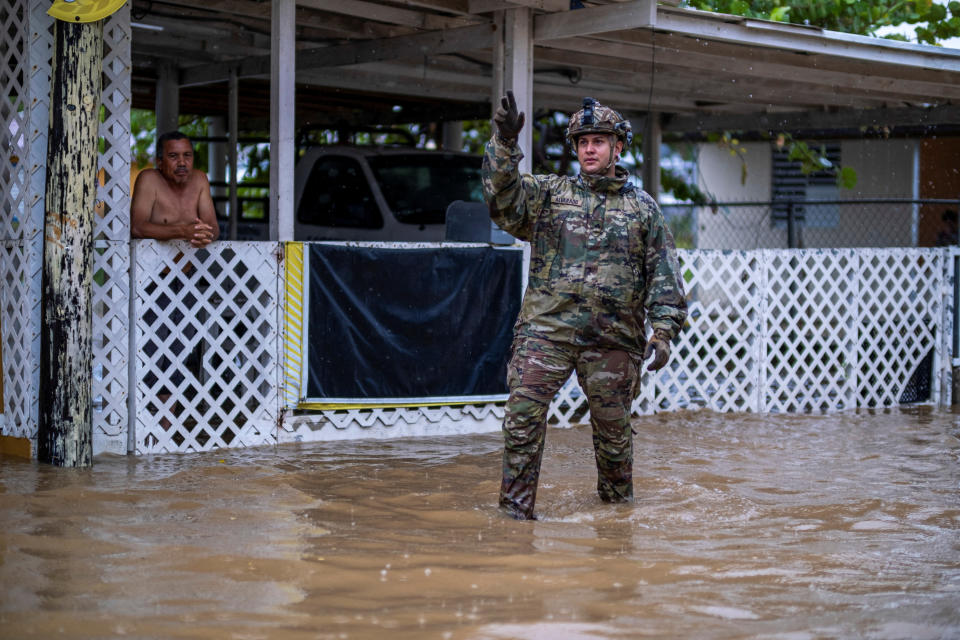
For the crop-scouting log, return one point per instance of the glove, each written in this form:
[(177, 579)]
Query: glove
[(659, 347), (508, 120)]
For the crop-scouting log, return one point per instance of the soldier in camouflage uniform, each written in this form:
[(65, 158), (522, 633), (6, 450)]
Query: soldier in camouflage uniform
[(602, 261)]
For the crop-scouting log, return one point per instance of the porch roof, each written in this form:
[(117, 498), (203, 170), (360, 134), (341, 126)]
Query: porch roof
[(381, 61)]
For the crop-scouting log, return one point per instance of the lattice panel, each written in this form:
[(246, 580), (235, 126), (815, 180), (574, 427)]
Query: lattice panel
[(39, 70), (25, 52), (111, 283), (391, 422), (111, 345), (716, 360), (206, 344), (902, 293), (14, 186), (810, 330), (797, 331), (113, 192), (20, 277), (14, 116), (570, 406)]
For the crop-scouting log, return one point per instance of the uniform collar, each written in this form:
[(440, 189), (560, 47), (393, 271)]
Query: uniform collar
[(603, 184)]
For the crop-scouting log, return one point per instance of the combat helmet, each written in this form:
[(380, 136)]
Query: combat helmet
[(596, 118)]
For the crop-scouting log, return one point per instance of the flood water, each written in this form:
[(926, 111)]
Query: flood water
[(744, 526)]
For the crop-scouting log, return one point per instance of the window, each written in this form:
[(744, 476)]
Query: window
[(790, 184), (418, 187), (337, 195)]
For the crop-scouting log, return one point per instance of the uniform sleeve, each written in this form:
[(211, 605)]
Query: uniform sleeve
[(514, 199), (665, 302)]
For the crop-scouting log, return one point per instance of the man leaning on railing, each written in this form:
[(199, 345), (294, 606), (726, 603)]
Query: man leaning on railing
[(172, 202)]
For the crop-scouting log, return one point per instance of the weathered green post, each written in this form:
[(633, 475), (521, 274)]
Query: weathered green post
[(65, 430)]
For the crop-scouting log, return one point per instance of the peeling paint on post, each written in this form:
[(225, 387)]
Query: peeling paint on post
[(65, 433)]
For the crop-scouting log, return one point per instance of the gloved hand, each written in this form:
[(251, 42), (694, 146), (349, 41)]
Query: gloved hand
[(508, 120), (658, 346)]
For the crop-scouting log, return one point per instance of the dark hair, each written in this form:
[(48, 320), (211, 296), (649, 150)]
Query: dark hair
[(170, 135), (949, 215)]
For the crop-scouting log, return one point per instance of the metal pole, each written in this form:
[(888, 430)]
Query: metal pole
[(791, 226), (651, 155), (955, 342), (65, 430), (232, 116)]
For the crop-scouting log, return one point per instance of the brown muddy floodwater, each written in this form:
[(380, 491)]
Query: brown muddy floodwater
[(744, 526)]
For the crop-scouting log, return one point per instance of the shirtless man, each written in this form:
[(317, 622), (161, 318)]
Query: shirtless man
[(172, 202)]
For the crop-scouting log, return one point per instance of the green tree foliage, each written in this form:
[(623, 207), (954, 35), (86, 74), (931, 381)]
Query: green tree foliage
[(143, 134), (850, 16)]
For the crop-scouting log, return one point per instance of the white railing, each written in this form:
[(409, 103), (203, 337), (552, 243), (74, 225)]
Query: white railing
[(802, 330), (768, 331)]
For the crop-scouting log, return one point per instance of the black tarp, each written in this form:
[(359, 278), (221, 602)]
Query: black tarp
[(410, 323)]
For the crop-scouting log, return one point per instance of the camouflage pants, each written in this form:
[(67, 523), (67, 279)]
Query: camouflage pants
[(537, 370)]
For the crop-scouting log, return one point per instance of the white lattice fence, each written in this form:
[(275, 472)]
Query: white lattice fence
[(716, 359), (900, 321), (25, 52), (111, 282), (19, 274), (795, 331), (206, 345), (391, 422), (810, 330), (113, 192), (111, 344)]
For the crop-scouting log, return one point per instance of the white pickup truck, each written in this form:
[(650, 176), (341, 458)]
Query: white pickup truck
[(395, 194)]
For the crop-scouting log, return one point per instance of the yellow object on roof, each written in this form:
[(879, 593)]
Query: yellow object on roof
[(84, 10)]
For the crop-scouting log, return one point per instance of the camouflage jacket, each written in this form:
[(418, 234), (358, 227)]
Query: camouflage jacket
[(602, 259)]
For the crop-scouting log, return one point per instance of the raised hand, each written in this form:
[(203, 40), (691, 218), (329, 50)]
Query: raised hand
[(509, 121)]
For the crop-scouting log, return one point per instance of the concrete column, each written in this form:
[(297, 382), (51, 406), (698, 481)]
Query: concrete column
[(282, 117), (168, 99)]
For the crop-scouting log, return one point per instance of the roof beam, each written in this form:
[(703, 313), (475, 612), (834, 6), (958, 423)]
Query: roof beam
[(673, 52), (808, 40), (257, 14), (385, 13), (486, 6), (419, 44), (582, 22), (884, 121)]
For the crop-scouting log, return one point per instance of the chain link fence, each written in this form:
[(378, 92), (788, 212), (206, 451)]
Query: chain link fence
[(787, 224)]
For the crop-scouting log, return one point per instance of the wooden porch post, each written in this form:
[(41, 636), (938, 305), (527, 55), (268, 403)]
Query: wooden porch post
[(518, 73), (283, 31), (65, 430), (167, 103)]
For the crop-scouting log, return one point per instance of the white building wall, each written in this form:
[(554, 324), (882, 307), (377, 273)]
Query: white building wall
[(720, 175), (885, 169)]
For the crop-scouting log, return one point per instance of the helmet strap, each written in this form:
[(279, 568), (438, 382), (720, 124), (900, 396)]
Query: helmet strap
[(613, 152)]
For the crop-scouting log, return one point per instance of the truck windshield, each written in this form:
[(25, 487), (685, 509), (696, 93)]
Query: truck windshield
[(418, 187)]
